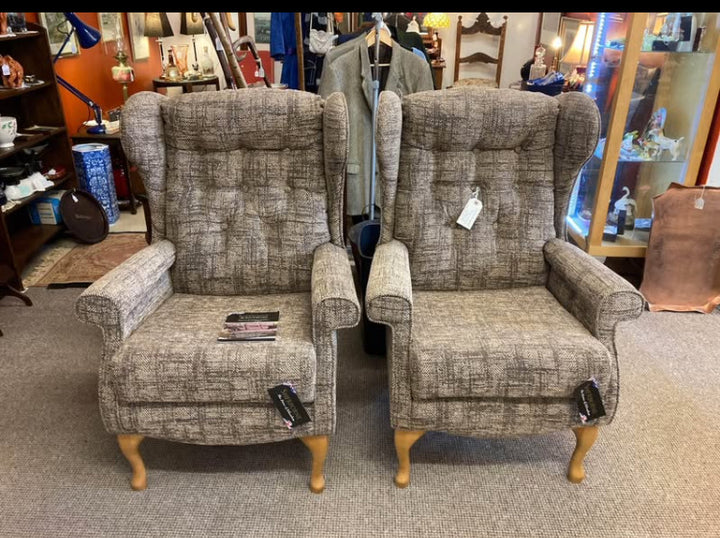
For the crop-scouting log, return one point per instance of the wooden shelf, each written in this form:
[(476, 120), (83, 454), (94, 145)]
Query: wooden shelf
[(27, 140), (7, 93), (19, 35), (40, 106), (27, 241), (34, 196)]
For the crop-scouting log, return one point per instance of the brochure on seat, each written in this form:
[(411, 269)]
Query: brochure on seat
[(250, 326)]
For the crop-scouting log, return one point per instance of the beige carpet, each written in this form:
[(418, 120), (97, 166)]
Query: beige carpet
[(652, 473), (87, 263)]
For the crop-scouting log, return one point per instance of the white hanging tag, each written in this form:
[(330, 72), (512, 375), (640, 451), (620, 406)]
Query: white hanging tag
[(6, 70), (471, 211), (700, 202)]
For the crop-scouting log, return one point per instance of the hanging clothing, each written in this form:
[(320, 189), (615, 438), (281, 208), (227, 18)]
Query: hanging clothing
[(348, 70), (283, 47), (313, 63)]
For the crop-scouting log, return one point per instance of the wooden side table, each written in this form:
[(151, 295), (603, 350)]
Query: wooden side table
[(187, 85), (115, 142), (438, 66)]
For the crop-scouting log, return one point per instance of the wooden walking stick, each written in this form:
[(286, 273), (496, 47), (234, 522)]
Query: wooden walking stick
[(214, 37), (227, 46)]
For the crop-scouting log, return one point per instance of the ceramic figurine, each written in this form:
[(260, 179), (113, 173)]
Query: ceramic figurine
[(668, 144), (628, 205), (538, 69)]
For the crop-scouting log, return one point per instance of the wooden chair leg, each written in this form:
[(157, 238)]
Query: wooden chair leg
[(129, 444), (585, 437), (318, 446), (404, 440)]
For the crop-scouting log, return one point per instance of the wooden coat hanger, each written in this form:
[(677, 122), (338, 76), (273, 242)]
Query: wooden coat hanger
[(385, 36), (385, 39)]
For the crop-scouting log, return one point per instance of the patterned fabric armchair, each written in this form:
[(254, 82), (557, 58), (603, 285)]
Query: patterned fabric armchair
[(246, 190), (492, 328)]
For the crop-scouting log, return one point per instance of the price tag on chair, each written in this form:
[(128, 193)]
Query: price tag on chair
[(471, 211), (288, 404)]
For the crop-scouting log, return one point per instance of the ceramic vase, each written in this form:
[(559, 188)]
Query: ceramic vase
[(8, 131)]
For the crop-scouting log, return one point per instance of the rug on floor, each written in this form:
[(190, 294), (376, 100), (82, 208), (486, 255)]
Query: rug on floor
[(87, 263)]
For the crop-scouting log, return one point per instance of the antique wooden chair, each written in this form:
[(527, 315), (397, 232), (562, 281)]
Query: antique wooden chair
[(490, 38)]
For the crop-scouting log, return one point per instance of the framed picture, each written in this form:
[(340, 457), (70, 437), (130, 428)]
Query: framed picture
[(58, 29), (110, 26), (261, 22), (140, 43)]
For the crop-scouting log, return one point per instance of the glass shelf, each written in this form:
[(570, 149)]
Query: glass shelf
[(652, 104)]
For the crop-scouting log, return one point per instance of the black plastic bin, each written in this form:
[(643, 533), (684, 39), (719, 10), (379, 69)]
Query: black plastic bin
[(364, 237)]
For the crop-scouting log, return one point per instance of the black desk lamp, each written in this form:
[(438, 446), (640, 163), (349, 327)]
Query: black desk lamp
[(88, 37)]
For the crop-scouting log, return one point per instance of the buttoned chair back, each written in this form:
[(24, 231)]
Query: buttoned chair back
[(508, 146), (240, 183)]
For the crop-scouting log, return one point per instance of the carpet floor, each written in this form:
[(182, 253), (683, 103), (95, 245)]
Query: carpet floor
[(653, 472), (87, 263)]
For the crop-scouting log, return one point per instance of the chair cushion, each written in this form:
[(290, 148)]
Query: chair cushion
[(174, 356), (510, 343)]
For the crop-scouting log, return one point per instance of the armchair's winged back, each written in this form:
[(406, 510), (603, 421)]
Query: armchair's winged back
[(245, 183), (516, 147)]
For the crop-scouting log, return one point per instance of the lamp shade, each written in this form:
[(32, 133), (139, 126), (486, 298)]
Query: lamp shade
[(437, 20), (87, 35), (157, 25), (188, 26), (579, 52)]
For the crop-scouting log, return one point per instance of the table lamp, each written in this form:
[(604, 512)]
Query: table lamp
[(123, 73), (87, 37), (578, 55), (157, 25), (436, 20), (192, 24)]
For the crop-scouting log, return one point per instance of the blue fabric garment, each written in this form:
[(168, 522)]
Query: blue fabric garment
[(419, 53), (283, 47)]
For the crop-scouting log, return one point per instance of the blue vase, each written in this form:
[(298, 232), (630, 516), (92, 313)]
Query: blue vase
[(95, 175)]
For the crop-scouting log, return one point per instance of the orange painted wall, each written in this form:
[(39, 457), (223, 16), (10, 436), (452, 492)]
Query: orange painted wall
[(90, 72)]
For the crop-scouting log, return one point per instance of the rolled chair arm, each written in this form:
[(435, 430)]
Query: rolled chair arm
[(335, 303), (388, 298), (593, 293), (120, 300)]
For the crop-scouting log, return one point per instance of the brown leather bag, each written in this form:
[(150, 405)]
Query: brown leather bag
[(682, 264)]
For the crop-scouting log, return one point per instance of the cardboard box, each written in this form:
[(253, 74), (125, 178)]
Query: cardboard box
[(46, 208)]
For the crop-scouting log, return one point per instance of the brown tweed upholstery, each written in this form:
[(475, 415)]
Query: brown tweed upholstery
[(245, 190), (494, 327)]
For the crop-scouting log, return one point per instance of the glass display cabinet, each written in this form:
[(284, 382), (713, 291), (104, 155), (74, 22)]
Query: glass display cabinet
[(655, 78)]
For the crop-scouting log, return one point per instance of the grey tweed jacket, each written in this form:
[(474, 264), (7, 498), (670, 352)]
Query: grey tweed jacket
[(348, 70)]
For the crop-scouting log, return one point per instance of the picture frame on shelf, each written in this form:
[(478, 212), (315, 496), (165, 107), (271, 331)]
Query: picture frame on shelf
[(140, 44), (58, 28)]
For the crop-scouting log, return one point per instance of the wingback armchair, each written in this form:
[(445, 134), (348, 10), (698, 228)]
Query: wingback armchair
[(492, 328), (245, 189)]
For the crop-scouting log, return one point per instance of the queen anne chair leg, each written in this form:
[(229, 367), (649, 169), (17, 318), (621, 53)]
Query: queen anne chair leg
[(404, 440), (129, 444), (318, 446), (585, 436)]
